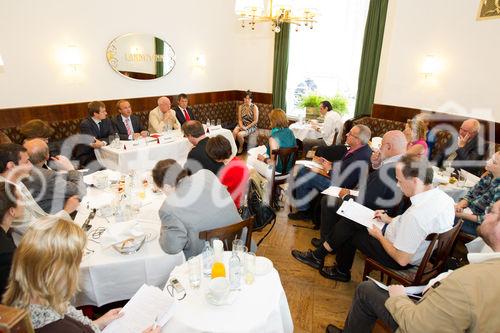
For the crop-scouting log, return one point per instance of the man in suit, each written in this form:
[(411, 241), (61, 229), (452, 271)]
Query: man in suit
[(465, 300), (345, 173), (182, 111), (379, 192), (198, 158), (50, 188), (96, 129), (127, 125), (162, 117), (471, 150)]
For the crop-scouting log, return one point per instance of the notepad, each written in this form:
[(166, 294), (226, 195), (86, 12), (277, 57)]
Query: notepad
[(140, 312), (334, 191), (359, 214), (413, 291), (309, 164)]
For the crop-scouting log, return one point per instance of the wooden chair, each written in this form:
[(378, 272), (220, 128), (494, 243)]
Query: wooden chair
[(286, 156), (229, 233), (431, 265), (14, 320)]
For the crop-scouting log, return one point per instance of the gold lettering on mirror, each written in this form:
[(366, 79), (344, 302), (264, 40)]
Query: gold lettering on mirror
[(141, 56)]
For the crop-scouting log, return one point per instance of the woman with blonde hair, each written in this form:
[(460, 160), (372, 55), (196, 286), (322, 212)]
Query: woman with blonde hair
[(44, 278), (415, 132)]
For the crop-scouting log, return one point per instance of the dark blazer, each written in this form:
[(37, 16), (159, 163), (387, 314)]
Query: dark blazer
[(180, 115), (7, 248), (85, 153), (332, 153), (58, 188), (198, 159), (468, 153), (348, 175), (122, 130)]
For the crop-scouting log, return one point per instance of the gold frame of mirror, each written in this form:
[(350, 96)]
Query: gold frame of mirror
[(140, 56)]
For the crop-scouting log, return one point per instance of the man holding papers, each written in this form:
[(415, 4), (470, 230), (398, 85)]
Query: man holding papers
[(379, 192), (465, 300)]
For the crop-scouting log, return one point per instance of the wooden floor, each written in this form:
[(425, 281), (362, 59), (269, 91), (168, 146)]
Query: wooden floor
[(314, 301)]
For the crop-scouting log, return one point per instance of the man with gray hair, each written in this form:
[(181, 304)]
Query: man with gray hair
[(345, 173)]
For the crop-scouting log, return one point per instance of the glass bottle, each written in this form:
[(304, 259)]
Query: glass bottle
[(234, 272), (208, 259)]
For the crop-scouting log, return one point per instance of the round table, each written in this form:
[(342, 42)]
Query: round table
[(259, 307), (305, 131)]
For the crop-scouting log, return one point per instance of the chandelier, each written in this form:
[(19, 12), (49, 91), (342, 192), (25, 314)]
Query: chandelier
[(297, 12)]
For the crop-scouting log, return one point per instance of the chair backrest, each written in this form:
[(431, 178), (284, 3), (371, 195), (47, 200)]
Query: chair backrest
[(439, 250), (228, 233), (287, 156)]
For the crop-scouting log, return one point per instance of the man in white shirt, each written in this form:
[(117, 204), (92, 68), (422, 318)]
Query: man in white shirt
[(162, 117), (331, 130), (15, 166), (127, 125), (401, 244)]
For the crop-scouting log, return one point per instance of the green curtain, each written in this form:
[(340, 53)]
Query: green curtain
[(370, 57), (159, 49), (280, 69)]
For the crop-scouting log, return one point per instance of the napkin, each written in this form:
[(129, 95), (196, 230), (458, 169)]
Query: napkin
[(118, 232), (98, 200)]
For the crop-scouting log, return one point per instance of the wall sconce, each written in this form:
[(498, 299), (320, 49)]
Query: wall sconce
[(200, 61), (71, 57), (2, 65), (430, 66)]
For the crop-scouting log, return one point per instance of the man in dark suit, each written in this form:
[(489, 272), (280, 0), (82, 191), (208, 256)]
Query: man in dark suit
[(50, 188), (182, 111), (471, 152), (345, 173), (198, 158), (127, 125), (96, 130), (379, 192)]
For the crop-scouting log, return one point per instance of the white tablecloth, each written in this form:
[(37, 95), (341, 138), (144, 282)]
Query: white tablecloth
[(107, 276), (304, 131), (259, 307), (141, 157)]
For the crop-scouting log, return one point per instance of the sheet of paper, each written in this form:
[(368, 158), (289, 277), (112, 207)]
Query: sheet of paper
[(335, 190), (359, 214), (140, 312), (471, 179), (309, 164), (413, 291), (257, 150)]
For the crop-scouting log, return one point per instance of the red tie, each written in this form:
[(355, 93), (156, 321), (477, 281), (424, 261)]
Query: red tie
[(186, 115), (127, 125)]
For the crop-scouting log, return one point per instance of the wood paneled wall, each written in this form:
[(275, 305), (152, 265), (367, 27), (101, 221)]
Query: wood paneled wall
[(17, 116), (399, 113)]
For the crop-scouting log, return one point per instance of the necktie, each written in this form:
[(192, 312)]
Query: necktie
[(186, 115), (100, 128), (128, 126)]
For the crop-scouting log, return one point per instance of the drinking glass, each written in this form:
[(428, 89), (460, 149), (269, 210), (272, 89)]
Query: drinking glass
[(219, 123), (208, 122), (237, 245), (462, 179), (194, 266), (249, 267)]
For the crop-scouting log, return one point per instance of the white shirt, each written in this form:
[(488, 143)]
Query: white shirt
[(333, 124), (431, 211)]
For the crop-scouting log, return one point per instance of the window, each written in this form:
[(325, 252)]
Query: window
[(326, 59)]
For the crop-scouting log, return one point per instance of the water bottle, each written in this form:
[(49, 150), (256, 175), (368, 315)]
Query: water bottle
[(234, 272), (208, 259)]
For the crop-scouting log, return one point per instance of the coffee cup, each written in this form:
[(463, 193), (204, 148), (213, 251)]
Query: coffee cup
[(219, 288)]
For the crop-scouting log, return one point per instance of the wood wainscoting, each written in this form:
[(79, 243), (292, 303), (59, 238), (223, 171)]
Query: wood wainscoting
[(400, 113), (12, 117)]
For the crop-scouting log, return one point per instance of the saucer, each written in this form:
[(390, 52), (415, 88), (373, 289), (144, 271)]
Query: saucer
[(228, 300)]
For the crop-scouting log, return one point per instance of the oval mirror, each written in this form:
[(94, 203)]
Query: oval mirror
[(141, 56)]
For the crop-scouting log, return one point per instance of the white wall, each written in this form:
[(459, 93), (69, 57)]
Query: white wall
[(33, 33), (469, 51)]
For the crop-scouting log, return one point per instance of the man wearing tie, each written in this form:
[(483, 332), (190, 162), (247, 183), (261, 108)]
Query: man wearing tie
[(97, 129), (162, 117), (127, 125), (182, 111)]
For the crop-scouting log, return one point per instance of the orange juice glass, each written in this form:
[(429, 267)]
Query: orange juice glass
[(218, 270)]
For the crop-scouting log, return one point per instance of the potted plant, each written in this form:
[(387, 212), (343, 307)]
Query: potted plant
[(312, 101)]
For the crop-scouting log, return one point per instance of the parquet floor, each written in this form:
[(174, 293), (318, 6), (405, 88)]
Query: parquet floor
[(314, 301)]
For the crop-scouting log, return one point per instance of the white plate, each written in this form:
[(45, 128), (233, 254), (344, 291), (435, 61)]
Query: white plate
[(228, 300), (262, 265)]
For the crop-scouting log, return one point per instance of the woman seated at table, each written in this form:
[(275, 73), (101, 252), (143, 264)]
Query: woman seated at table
[(481, 197), (194, 203), (248, 117), (281, 137), (415, 132), (44, 279), (234, 175)]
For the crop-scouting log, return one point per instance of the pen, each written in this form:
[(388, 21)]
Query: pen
[(155, 323)]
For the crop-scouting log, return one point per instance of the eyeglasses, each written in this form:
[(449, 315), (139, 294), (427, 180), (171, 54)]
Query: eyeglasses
[(354, 136)]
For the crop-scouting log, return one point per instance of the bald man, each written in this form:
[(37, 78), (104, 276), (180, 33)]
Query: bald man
[(162, 117), (470, 151), (379, 192), (51, 189)]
